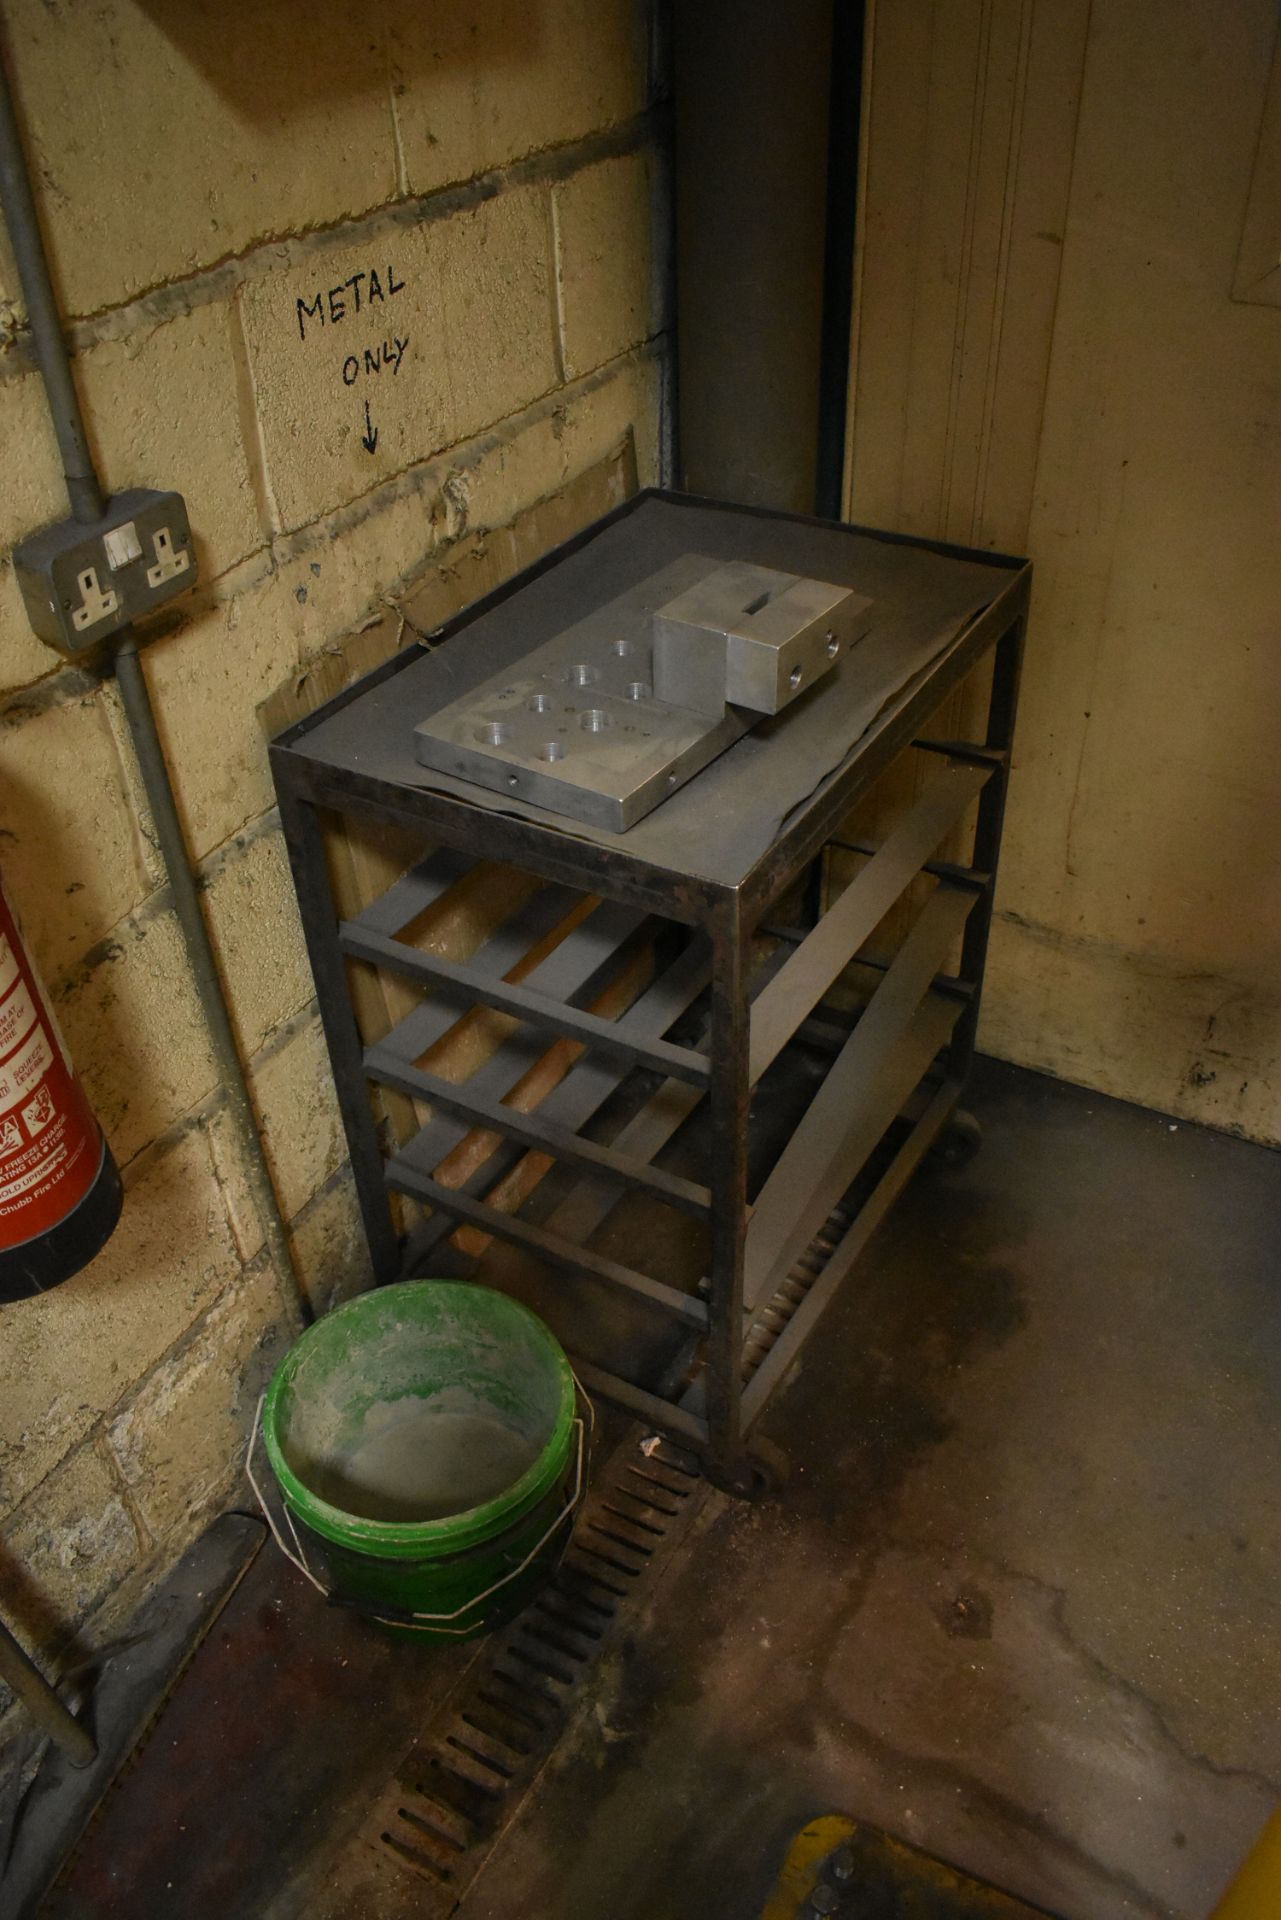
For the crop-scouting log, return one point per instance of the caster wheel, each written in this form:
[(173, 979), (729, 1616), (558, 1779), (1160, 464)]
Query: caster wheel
[(758, 1472), (958, 1143)]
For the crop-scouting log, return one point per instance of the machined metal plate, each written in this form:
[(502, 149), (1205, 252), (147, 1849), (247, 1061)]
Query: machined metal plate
[(578, 728), (750, 636)]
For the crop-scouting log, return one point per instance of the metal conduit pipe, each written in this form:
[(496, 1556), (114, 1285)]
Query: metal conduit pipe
[(43, 1704), (46, 327), (85, 494), (140, 714)]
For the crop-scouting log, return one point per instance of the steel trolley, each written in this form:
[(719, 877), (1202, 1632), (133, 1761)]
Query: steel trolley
[(746, 1020)]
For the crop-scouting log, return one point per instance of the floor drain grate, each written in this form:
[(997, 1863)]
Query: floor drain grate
[(463, 1782)]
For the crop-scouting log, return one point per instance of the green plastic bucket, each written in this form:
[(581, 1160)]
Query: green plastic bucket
[(425, 1442)]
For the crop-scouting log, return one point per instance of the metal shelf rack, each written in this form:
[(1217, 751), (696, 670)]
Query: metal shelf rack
[(743, 1043)]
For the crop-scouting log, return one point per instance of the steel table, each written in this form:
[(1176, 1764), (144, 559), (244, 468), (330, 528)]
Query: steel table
[(654, 985)]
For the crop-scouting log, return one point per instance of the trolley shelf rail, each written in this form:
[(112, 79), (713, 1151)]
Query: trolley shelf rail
[(639, 995)]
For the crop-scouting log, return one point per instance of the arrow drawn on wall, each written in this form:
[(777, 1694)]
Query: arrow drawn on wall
[(369, 438)]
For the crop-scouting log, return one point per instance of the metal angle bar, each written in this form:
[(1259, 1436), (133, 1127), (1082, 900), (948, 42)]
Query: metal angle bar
[(992, 757), (584, 1210), (820, 1032), (854, 1097), (305, 845), (548, 1246), (943, 982), (960, 876), (415, 891), (451, 978), (649, 1407), (862, 1092), (810, 970), (584, 1089), (567, 970), (729, 1101), (504, 838), (570, 966), (896, 1079), (1002, 706), (533, 1129), (657, 1009), (870, 1215)]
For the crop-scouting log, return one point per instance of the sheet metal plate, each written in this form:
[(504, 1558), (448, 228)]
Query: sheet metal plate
[(715, 828)]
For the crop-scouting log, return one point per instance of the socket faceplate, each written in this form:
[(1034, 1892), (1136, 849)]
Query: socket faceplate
[(82, 581)]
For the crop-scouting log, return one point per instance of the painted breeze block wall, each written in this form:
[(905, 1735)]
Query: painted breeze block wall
[(378, 289)]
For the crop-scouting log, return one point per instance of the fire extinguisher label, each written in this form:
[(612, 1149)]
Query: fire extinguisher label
[(17, 1017), (50, 1148), (8, 964), (26, 1069), (46, 1165)]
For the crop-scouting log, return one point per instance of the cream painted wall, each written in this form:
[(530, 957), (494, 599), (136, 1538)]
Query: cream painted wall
[(1137, 946), (197, 180)]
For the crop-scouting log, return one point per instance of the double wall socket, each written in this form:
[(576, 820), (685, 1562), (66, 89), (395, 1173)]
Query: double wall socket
[(82, 581)]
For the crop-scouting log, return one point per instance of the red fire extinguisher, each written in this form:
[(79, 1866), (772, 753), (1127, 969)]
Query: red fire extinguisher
[(60, 1192)]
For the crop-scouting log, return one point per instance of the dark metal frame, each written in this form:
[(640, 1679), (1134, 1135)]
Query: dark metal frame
[(917, 1020)]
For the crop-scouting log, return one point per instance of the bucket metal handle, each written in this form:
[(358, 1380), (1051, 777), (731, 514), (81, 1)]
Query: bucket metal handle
[(424, 1622)]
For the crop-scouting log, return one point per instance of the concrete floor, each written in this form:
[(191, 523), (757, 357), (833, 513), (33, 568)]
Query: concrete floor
[(1021, 1602)]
